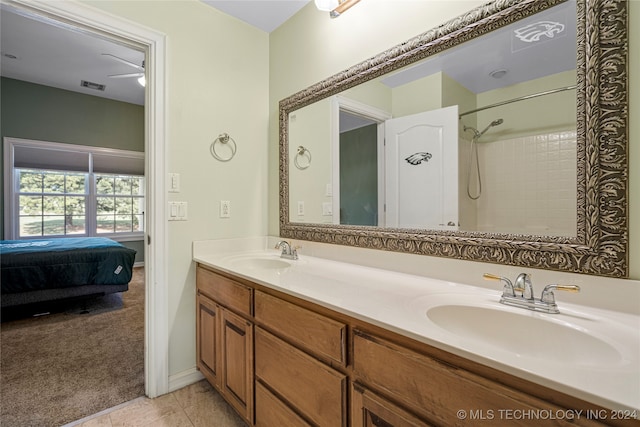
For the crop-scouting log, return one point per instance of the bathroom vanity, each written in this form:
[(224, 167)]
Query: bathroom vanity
[(322, 342), (313, 342)]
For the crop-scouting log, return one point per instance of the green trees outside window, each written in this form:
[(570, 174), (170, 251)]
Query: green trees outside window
[(120, 203), (55, 203)]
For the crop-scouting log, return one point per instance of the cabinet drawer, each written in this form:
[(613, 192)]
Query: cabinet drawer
[(429, 387), (224, 291), (270, 411), (370, 410), (320, 335), (314, 389)]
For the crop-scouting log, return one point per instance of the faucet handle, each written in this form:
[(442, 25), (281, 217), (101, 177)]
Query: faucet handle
[(507, 289), (489, 276), (548, 295)]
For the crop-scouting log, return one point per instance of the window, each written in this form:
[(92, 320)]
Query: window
[(71, 190), (51, 203), (120, 203)]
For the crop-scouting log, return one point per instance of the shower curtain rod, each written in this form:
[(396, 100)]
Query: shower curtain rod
[(521, 98)]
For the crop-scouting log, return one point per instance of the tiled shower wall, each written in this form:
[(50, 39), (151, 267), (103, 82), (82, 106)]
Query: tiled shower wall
[(528, 185)]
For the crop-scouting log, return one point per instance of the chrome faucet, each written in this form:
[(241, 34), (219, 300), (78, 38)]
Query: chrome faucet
[(523, 284), (287, 251), (520, 294)]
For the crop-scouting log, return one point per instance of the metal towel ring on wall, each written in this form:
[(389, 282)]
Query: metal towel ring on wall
[(302, 153), (223, 139)]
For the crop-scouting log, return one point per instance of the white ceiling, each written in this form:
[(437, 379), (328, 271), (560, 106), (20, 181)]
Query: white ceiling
[(474, 63), (264, 14), (58, 56), (50, 54)]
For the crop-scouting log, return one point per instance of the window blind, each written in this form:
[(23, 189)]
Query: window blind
[(126, 165), (29, 157)]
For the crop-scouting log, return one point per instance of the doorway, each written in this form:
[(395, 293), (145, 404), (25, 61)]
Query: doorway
[(357, 126), (85, 19)]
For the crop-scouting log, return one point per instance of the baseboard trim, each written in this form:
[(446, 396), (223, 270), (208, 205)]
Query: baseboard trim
[(138, 264), (184, 378)]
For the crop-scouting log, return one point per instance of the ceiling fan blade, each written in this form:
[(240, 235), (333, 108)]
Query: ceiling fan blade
[(124, 61), (121, 76)]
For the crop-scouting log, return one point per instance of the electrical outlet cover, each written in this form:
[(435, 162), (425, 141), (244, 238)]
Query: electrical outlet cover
[(327, 209), (225, 209)]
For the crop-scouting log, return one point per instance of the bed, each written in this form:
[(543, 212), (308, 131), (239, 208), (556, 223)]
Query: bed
[(35, 271)]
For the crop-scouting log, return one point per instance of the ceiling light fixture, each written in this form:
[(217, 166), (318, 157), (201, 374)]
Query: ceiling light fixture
[(326, 5), (335, 7), (498, 74)]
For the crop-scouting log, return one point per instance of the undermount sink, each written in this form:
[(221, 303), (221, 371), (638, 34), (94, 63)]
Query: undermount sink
[(532, 335), (261, 263)]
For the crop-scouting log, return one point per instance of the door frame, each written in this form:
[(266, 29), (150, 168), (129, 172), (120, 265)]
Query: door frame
[(84, 18), (341, 103)]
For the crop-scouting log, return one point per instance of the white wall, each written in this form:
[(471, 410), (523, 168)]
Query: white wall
[(311, 47), (217, 81), (310, 127)]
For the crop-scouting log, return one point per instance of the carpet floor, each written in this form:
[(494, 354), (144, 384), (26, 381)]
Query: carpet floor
[(83, 357)]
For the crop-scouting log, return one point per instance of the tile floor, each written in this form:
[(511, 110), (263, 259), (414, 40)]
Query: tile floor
[(197, 405)]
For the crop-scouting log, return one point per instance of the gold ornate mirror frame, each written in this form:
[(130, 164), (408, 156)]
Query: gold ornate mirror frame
[(600, 246)]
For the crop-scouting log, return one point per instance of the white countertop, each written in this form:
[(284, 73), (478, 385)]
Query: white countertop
[(608, 376)]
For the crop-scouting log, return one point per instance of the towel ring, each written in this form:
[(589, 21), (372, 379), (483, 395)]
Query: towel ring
[(223, 139), (302, 153)]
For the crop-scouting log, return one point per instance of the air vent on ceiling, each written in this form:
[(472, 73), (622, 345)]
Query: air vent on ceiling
[(94, 86)]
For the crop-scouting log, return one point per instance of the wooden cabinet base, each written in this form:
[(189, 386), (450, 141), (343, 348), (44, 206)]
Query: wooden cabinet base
[(316, 367)]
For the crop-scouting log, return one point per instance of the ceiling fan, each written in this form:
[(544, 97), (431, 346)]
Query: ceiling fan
[(139, 74)]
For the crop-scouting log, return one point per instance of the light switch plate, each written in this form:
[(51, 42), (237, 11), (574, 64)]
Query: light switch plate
[(177, 211), (174, 183)]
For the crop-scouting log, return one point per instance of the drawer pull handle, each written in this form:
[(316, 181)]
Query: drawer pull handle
[(235, 328), (376, 421)]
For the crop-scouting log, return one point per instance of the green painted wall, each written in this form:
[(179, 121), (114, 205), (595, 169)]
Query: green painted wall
[(359, 176), (44, 113), (32, 111)]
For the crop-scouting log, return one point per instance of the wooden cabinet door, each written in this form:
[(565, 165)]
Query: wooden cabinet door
[(371, 410), (236, 336), (207, 342)]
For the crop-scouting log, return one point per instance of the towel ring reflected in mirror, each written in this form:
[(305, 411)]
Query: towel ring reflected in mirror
[(600, 243), (225, 141), (305, 155)]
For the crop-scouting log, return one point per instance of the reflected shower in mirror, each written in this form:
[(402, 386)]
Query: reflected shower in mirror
[(544, 188), (519, 177)]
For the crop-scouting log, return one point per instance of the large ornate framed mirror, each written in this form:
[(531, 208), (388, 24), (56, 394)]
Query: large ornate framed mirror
[(521, 159)]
